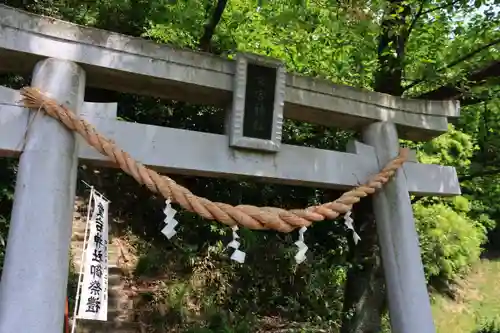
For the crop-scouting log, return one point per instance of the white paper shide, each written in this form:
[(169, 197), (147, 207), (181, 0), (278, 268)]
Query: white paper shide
[(93, 303), (302, 247), (349, 223), (238, 255), (170, 222)]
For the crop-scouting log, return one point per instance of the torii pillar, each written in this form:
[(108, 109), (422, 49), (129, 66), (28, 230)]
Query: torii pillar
[(409, 304), (40, 227)]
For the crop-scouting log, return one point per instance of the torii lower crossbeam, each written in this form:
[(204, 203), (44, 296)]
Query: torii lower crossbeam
[(180, 151)]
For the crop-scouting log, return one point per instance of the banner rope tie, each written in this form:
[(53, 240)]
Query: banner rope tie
[(252, 217)]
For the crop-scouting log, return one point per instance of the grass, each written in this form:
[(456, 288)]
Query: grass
[(477, 301)]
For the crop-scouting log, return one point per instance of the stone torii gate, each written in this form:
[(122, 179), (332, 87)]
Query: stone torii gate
[(65, 58)]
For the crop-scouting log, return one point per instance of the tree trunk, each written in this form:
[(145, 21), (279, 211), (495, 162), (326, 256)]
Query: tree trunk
[(391, 48), (364, 296)]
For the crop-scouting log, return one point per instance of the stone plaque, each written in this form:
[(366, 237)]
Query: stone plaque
[(256, 116), (259, 102)]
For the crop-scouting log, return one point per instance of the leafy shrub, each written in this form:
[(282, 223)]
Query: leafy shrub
[(489, 327), (450, 242)]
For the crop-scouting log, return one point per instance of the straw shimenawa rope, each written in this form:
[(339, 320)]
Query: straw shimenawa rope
[(244, 215)]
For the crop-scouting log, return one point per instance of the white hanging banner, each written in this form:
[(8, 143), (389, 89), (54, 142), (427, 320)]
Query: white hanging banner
[(94, 290)]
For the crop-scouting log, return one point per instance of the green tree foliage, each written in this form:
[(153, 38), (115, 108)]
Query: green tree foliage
[(432, 49)]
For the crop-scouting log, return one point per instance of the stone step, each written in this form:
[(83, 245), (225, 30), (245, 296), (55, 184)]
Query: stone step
[(113, 259), (118, 307), (78, 236), (115, 282), (78, 229), (112, 268), (107, 327), (77, 247), (113, 256), (77, 221), (116, 291)]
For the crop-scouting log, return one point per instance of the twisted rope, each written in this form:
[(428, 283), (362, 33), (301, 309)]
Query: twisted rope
[(251, 217)]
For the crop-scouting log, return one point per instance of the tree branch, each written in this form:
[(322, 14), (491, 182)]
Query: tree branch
[(471, 100), (490, 172), (453, 91), (449, 4), (391, 48), (421, 13), (456, 62), (415, 19), (473, 53), (209, 29)]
